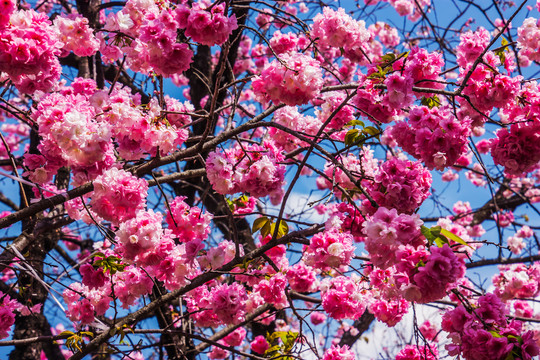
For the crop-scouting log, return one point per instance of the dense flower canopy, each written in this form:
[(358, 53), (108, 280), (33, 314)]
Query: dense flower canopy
[(249, 179)]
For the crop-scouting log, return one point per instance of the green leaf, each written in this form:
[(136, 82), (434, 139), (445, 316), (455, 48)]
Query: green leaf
[(388, 57), (67, 332), (427, 234), (230, 203), (283, 229), (111, 263), (404, 54), (440, 241), (373, 131), (266, 229), (75, 341), (288, 341), (454, 237), (355, 123), (431, 102), (272, 351), (259, 224), (501, 52), (350, 137)]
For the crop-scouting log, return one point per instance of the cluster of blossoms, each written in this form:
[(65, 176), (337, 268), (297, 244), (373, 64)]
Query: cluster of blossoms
[(441, 271), (399, 91), (146, 35), (75, 34), (71, 136), (6, 9), (329, 249), (95, 131), (144, 243), (387, 34), (464, 213), (515, 145), (471, 46), (400, 184), (517, 281), (395, 243), (272, 290), (84, 303), (528, 39), (14, 134), (485, 333), (434, 136), (282, 43), (229, 303), (419, 68), (424, 68), (339, 353), (291, 118), (413, 352), (465, 233), (118, 195), (391, 311), (336, 29), (254, 169), (516, 243), (92, 277), (487, 89), (7, 316), (259, 344), (221, 304), (186, 222), (207, 26), (376, 105), (174, 264), (142, 129), (386, 232), (139, 235), (31, 65), (346, 217), (336, 33), (78, 126), (343, 297), (332, 101), (131, 284), (294, 79), (302, 278), (219, 255), (517, 148), (92, 297), (199, 304), (233, 339), (504, 218)]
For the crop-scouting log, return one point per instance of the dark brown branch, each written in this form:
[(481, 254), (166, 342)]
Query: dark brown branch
[(503, 261), (361, 325)]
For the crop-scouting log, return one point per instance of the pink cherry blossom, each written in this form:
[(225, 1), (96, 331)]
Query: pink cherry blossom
[(294, 84)]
